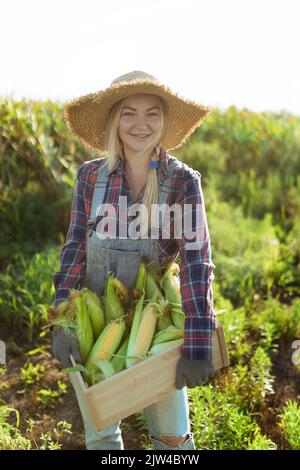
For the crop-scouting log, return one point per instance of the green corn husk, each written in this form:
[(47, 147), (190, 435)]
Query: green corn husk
[(163, 323), (134, 329), (178, 317), (84, 331), (105, 370), (100, 370), (165, 320), (95, 310), (115, 298), (152, 289), (141, 278), (170, 283), (119, 361), (169, 334), (75, 321), (154, 269), (162, 347)]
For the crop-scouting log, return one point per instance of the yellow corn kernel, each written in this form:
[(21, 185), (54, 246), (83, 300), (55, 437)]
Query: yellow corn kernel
[(107, 343), (145, 333)]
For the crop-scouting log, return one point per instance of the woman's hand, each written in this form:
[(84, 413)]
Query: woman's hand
[(196, 372), (64, 345)]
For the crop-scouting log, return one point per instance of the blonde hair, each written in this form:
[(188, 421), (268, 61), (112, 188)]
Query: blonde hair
[(115, 148)]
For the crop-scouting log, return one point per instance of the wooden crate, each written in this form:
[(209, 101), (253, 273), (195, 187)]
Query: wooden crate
[(141, 385)]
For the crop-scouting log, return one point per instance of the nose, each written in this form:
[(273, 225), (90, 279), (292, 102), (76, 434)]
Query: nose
[(141, 124)]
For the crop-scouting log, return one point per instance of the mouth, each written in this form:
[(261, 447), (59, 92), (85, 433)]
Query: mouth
[(140, 136)]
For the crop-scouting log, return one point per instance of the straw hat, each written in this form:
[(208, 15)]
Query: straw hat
[(86, 116)]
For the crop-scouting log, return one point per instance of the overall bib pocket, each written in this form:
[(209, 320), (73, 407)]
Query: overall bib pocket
[(123, 263)]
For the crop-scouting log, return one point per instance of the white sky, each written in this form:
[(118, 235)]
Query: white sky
[(218, 52)]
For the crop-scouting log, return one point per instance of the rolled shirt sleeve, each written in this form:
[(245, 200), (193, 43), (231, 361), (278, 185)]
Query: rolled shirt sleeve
[(73, 251), (196, 273)]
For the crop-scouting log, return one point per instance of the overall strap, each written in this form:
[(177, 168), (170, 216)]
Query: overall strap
[(164, 187), (99, 190)]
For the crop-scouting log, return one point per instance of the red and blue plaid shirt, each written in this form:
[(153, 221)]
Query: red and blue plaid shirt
[(196, 266)]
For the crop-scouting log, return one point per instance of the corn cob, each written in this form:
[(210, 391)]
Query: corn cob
[(107, 343), (170, 283), (168, 334), (152, 290), (95, 310), (141, 279), (84, 331), (122, 291), (162, 347), (154, 269), (115, 298), (141, 339), (134, 329)]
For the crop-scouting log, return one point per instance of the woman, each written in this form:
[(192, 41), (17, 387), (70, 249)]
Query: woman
[(134, 122)]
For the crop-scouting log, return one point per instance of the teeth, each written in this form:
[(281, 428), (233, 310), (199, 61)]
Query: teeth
[(139, 135)]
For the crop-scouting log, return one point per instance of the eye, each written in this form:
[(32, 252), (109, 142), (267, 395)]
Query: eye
[(131, 114)]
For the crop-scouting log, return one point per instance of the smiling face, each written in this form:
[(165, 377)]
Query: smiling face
[(140, 121)]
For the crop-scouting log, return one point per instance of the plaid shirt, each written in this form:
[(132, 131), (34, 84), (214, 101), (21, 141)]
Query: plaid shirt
[(196, 266)]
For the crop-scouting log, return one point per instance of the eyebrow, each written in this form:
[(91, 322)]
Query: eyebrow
[(133, 109)]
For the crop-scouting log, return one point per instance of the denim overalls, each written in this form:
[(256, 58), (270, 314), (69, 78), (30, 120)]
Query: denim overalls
[(169, 416)]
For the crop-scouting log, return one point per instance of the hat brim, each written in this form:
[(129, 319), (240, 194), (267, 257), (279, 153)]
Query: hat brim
[(86, 116)]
